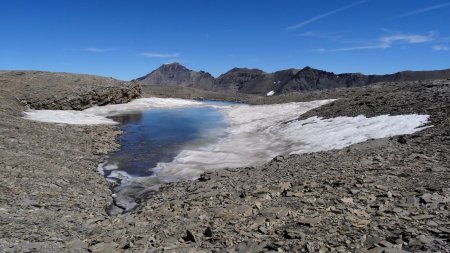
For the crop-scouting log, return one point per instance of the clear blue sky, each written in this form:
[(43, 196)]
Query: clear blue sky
[(127, 39)]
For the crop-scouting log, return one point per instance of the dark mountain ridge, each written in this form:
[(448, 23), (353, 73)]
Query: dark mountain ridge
[(256, 81), (177, 74)]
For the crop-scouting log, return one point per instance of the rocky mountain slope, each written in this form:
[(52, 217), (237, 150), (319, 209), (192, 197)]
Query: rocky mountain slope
[(255, 81)]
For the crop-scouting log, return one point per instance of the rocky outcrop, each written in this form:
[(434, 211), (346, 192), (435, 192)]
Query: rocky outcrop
[(63, 91), (80, 101), (258, 82)]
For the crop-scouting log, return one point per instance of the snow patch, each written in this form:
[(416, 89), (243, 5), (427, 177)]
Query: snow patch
[(67, 117), (143, 104), (98, 114), (255, 138), (270, 93)]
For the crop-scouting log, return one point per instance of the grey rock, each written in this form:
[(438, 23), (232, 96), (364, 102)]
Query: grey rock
[(372, 240), (103, 248), (208, 232), (311, 222), (423, 217), (275, 212), (294, 234), (394, 250), (444, 230), (190, 236), (425, 239), (77, 245), (385, 243)]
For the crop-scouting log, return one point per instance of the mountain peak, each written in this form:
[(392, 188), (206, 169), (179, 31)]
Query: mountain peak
[(177, 74), (174, 66), (236, 69), (308, 68)]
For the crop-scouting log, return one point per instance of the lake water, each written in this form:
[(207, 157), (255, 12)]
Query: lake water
[(158, 135)]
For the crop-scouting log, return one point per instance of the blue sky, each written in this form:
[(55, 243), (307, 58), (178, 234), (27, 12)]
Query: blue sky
[(127, 39)]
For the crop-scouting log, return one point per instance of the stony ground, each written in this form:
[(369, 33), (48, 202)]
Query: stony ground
[(386, 195), (50, 192)]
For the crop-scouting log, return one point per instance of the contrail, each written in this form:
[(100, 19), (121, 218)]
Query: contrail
[(430, 8), (324, 15)]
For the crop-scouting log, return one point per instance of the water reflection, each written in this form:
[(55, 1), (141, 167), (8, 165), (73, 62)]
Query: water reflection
[(158, 135), (133, 118)]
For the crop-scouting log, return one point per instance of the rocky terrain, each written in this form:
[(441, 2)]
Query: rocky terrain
[(49, 187), (174, 91), (255, 81), (385, 195), (60, 91)]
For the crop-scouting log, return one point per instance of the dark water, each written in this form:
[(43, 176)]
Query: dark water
[(158, 135)]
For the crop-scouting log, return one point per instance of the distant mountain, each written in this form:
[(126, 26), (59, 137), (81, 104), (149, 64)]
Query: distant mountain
[(255, 81), (239, 80), (177, 74)]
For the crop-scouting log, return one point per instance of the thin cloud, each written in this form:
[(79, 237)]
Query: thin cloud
[(388, 41), (440, 48), (324, 15), (319, 35), (408, 38), (376, 46), (426, 9), (169, 61), (160, 55), (98, 50)]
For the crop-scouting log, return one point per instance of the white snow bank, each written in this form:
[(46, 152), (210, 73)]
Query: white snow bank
[(143, 104), (254, 141), (67, 117), (98, 114)]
